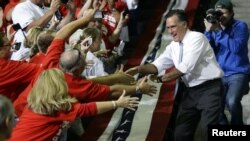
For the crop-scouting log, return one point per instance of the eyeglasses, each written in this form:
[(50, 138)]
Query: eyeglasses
[(8, 45)]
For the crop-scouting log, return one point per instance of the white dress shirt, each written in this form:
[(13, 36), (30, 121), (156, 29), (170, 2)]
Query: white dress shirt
[(24, 13), (97, 69), (198, 60)]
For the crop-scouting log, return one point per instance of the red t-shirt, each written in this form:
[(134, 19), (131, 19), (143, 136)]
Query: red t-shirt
[(15, 76), (110, 23), (79, 87), (9, 6), (37, 127), (38, 58), (78, 4)]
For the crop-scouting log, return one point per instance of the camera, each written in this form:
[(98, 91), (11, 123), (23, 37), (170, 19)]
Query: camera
[(126, 12), (64, 1), (16, 26), (98, 14), (16, 46), (58, 16), (213, 16)]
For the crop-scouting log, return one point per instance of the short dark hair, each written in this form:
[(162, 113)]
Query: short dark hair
[(179, 13)]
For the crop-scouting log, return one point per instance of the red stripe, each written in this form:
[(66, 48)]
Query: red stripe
[(96, 127), (162, 113), (191, 10), (148, 34)]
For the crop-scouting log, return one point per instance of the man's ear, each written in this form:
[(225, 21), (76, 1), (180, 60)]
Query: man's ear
[(185, 24), (7, 121)]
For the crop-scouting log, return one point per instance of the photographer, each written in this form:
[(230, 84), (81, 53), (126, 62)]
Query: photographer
[(229, 38)]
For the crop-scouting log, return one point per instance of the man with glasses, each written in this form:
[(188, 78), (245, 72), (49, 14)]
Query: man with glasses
[(14, 75)]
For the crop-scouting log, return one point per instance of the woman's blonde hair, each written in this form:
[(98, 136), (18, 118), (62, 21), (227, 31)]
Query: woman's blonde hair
[(44, 40), (50, 94), (94, 33), (31, 39)]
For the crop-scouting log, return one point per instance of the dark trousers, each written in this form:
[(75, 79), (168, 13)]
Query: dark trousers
[(200, 103)]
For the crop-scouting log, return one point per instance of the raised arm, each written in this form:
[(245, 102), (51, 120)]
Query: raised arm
[(44, 20), (141, 87), (70, 15), (123, 102), (87, 5), (116, 33), (70, 28), (145, 69)]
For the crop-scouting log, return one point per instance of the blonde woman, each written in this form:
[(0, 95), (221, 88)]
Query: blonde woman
[(50, 109), (31, 40)]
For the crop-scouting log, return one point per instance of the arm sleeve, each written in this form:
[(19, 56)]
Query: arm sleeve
[(18, 16), (164, 61), (236, 40), (79, 110), (193, 55), (54, 52)]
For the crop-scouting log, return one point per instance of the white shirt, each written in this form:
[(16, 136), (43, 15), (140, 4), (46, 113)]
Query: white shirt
[(198, 60), (132, 4), (97, 69), (24, 13)]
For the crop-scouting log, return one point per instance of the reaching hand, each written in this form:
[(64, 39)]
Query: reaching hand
[(55, 4), (70, 5), (132, 71), (123, 77), (101, 53), (127, 102), (145, 87), (211, 27), (154, 78), (86, 43)]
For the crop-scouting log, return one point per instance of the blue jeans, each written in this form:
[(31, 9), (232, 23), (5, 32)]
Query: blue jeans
[(235, 86)]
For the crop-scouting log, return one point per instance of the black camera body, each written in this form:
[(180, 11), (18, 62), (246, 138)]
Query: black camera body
[(64, 1), (213, 16), (16, 46)]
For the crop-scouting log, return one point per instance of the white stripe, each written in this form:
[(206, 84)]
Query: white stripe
[(114, 122), (143, 116)]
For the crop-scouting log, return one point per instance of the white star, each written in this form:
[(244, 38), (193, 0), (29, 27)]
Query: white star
[(125, 122), (121, 131)]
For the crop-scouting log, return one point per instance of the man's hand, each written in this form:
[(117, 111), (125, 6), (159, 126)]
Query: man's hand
[(145, 88), (123, 77), (85, 44), (211, 27), (101, 53), (132, 71), (55, 4)]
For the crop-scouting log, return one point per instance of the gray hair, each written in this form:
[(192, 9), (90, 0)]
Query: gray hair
[(71, 60), (6, 111), (6, 108)]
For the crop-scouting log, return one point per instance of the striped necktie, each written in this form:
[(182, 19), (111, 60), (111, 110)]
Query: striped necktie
[(179, 61), (181, 52)]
